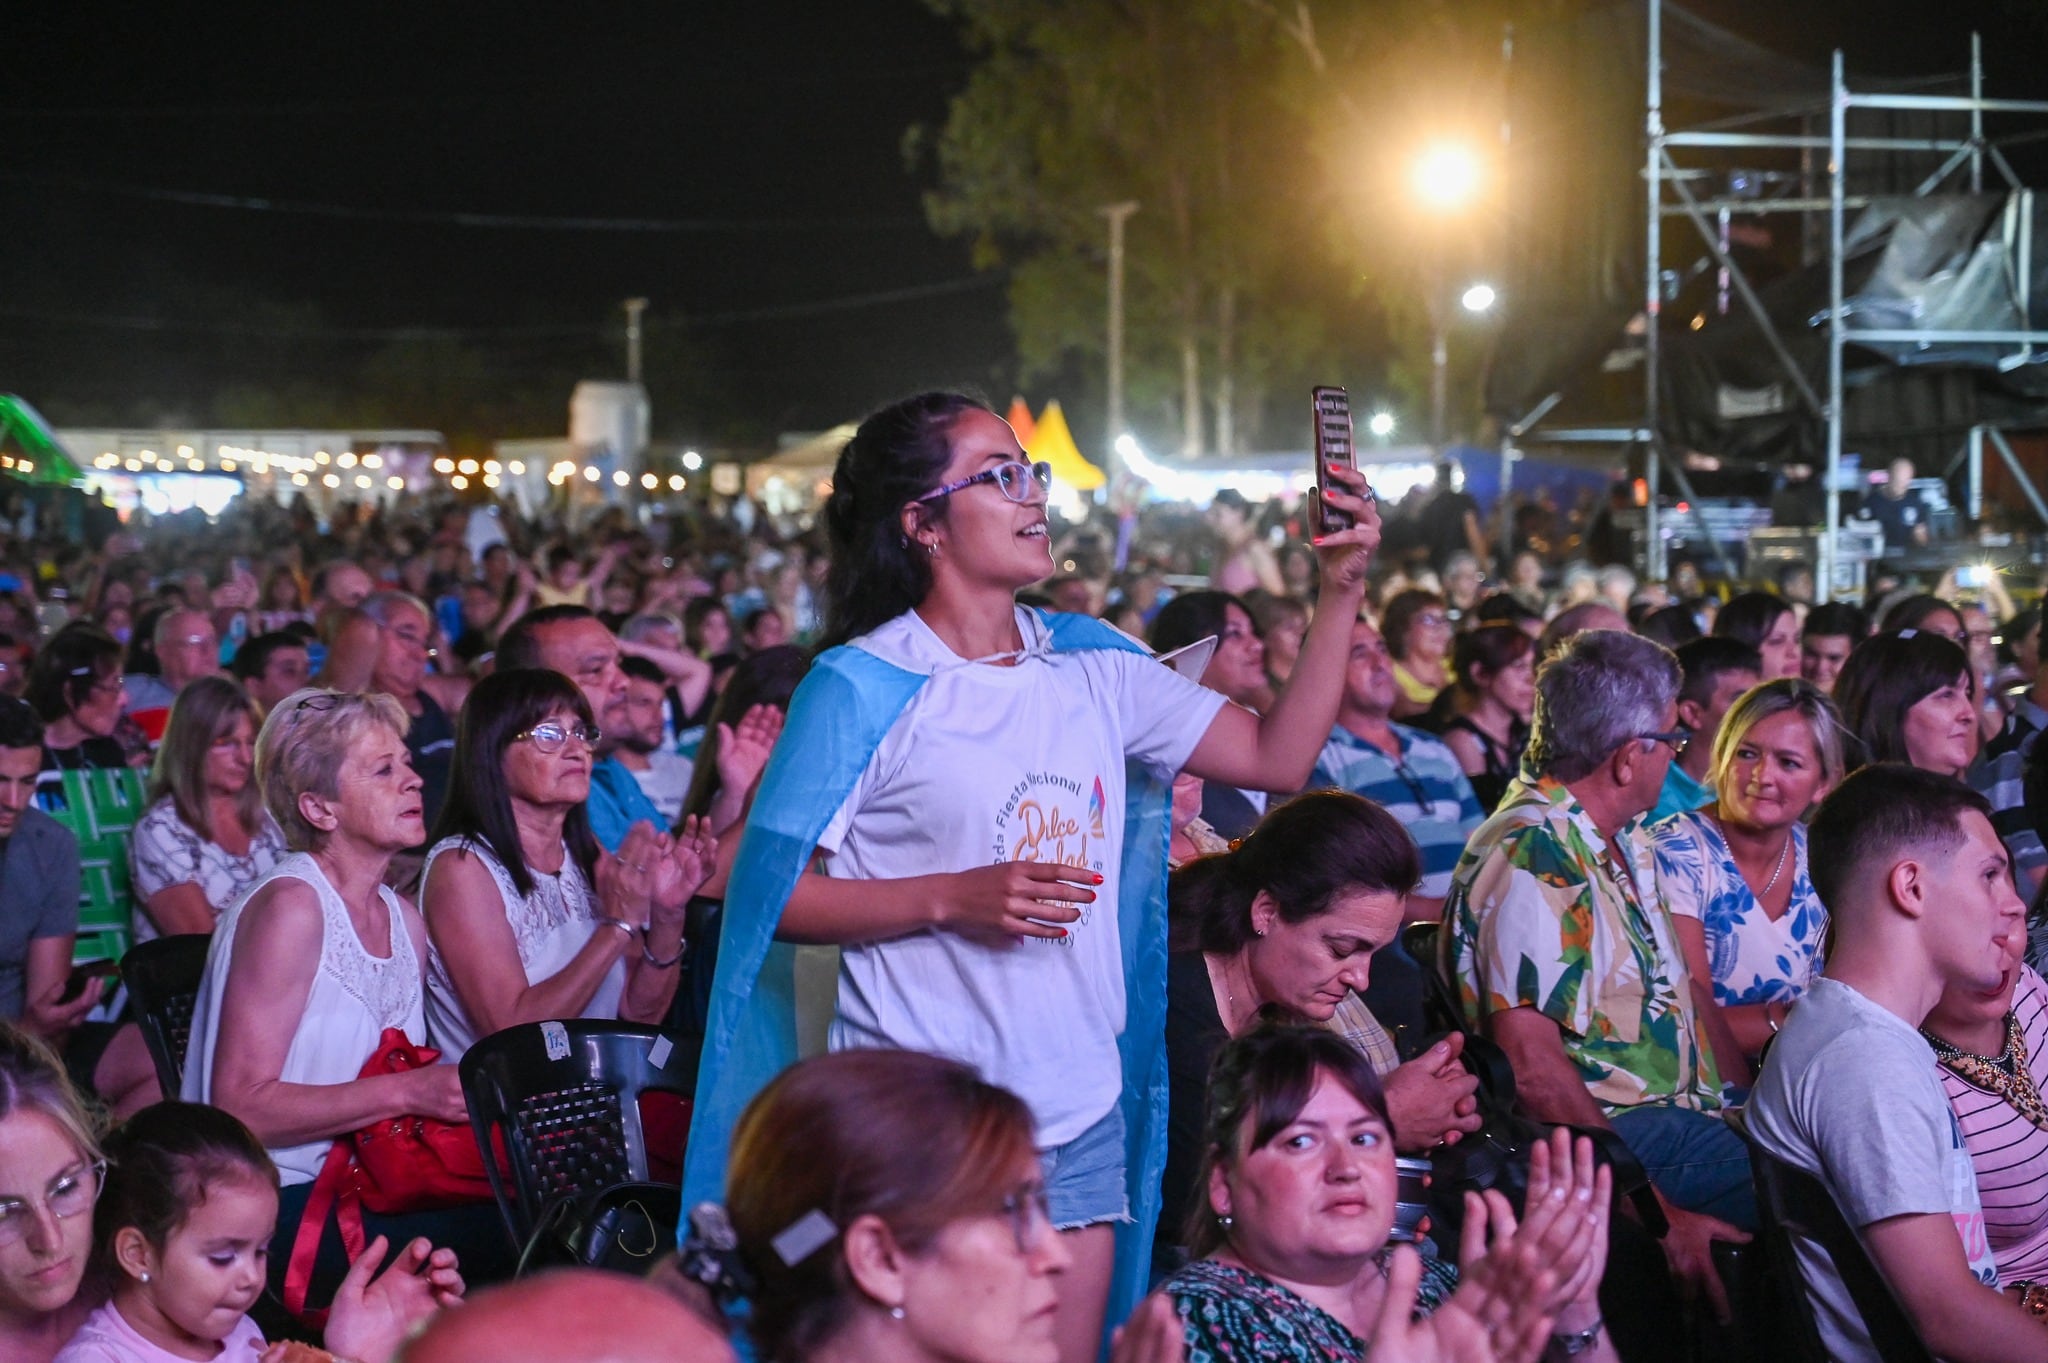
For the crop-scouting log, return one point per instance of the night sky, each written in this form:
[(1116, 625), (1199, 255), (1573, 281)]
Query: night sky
[(774, 126)]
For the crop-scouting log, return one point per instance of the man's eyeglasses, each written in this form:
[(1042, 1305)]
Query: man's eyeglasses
[(1677, 738), (1016, 479), (1030, 1215), (551, 738), (73, 1194)]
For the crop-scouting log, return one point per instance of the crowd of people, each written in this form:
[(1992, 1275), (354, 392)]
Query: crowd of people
[(1350, 985)]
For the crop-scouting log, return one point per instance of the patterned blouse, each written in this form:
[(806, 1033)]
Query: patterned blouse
[(1233, 1315), (1754, 958), (1546, 913), (164, 851)]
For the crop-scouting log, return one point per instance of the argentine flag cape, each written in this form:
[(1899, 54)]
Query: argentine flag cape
[(837, 720)]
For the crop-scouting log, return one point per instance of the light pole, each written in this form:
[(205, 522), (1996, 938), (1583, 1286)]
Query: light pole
[(1118, 214), (634, 307), (1445, 177)]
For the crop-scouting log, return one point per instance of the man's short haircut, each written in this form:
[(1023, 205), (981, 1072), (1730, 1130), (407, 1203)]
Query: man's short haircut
[(640, 669), (519, 645), (382, 605), (638, 629), (326, 571), (1706, 660), (252, 659), (160, 634), (1603, 688), (1837, 620), (19, 725), (1879, 814)]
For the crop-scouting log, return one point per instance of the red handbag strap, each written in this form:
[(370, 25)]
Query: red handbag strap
[(334, 1192)]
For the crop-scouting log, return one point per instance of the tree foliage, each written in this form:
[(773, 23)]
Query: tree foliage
[(1263, 140)]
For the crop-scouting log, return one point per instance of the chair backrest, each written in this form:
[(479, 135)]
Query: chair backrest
[(163, 977), (101, 806), (562, 1098), (1793, 1203)]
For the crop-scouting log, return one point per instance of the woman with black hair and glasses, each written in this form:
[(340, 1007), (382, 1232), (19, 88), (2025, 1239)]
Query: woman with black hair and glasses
[(527, 921), (960, 766)]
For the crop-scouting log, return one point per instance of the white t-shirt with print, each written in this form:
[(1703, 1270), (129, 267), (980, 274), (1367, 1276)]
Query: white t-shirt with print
[(989, 764)]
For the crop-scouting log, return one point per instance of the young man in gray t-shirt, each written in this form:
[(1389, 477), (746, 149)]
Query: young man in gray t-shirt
[(1920, 896)]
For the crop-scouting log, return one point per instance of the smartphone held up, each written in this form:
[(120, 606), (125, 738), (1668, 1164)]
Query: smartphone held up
[(1331, 413)]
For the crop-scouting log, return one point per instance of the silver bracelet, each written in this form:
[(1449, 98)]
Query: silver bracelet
[(621, 924), (647, 954), (1572, 1345)]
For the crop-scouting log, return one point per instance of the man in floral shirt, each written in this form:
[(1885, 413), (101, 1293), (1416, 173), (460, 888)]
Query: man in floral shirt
[(1564, 953)]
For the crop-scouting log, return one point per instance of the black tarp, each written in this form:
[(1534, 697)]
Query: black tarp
[(1573, 270)]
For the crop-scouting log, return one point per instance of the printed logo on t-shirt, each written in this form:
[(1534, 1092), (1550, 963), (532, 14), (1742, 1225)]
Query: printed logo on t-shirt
[(1052, 818)]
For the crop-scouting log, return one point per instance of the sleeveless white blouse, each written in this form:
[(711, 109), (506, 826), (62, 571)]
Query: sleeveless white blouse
[(550, 926), (355, 997)]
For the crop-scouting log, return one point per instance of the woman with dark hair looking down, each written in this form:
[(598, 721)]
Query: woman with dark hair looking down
[(961, 764), (528, 920), (1291, 916)]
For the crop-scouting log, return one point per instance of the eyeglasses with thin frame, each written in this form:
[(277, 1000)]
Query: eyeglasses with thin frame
[(550, 738), (72, 1194), (1015, 478), (1678, 739), (1030, 1215)]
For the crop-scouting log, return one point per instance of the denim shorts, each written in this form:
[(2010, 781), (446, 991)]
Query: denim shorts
[(1084, 1179)]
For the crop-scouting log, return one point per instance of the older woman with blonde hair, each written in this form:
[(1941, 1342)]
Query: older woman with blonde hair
[(1749, 921), (315, 964), (205, 838)]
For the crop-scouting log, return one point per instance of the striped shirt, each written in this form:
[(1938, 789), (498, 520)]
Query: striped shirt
[(1422, 786), (2010, 1153)]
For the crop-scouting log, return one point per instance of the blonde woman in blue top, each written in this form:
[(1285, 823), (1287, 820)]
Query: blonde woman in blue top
[(1734, 872)]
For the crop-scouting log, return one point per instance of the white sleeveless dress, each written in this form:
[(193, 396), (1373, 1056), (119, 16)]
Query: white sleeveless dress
[(355, 997), (550, 926)]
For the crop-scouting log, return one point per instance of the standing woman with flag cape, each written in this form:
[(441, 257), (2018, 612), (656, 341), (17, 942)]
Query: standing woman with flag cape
[(970, 800)]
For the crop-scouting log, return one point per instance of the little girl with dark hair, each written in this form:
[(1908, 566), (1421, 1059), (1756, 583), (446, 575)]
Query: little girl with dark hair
[(183, 1231)]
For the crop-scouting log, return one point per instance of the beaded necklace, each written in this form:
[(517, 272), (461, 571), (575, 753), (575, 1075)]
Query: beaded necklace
[(2004, 1074)]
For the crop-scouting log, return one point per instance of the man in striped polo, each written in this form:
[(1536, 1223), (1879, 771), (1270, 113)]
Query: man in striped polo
[(1409, 772)]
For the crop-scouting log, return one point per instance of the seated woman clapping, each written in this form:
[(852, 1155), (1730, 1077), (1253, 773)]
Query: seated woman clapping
[(1300, 1200), (527, 919), (309, 970), (205, 838)]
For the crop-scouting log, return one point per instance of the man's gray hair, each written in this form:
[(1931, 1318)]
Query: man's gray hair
[(1603, 688), (382, 605)]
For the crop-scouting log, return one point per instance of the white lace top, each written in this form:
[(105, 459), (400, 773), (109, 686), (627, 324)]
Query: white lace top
[(550, 926), (355, 997), (164, 851)]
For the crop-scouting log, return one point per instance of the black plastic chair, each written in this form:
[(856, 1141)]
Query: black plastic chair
[(1791, 1202), (562, 1101), (163, 977)]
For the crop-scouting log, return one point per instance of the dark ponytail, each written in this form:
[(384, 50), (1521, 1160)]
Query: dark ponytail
[(1304, 854), (897, 455)]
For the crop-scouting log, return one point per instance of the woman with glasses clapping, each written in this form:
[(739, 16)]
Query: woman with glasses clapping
[(528, 919), (960, 769)]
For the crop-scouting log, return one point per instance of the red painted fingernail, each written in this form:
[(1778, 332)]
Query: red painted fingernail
[(1098, 879)]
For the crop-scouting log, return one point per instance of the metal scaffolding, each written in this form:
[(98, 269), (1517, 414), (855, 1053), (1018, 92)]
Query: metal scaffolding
[(1670, 194)]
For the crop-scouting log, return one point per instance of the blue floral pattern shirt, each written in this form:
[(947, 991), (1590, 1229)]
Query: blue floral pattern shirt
[(1754, 958)]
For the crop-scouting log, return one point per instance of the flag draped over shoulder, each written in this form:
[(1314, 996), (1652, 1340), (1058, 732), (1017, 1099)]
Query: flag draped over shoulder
[(837, 719)]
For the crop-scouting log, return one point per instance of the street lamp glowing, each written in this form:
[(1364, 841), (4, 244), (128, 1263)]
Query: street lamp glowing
[(1478, 298), (1381, 424), (1446, 176)]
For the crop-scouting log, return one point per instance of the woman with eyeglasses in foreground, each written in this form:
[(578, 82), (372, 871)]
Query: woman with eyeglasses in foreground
[(527, 919), (310, 969), (1293, 1232), (961, 767), (51, 1175)]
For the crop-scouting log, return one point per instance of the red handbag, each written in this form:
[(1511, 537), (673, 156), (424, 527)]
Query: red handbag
[(404, 1164)]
